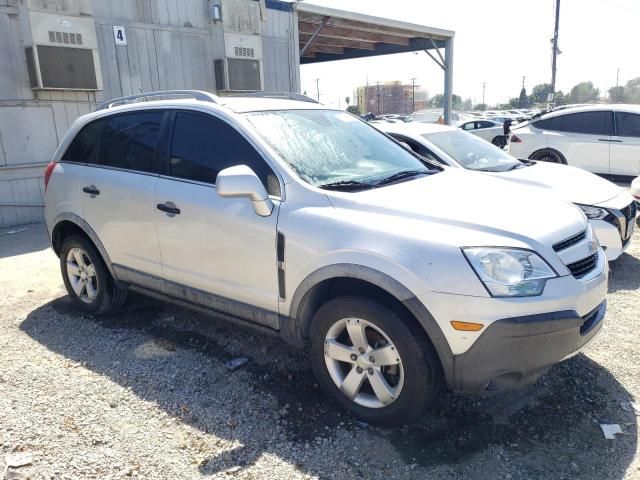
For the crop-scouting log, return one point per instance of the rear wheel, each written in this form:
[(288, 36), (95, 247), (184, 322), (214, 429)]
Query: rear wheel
[(372, 360), (550, 156), (86, 277)]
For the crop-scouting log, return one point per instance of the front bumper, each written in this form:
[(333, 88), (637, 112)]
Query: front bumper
[(521, 336), (608, 236), (515, 351)]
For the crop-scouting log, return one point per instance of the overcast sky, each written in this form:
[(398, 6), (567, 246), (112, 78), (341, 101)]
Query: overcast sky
[(497, 42)]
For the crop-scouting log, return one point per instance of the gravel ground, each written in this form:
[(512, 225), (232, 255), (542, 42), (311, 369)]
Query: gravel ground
[(145, 393)]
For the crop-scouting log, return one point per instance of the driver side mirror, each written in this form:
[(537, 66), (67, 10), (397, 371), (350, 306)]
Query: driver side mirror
[(241, 181)]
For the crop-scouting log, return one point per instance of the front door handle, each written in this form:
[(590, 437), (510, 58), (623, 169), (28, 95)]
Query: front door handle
[(609, 140), (91, 190), (169, 208)]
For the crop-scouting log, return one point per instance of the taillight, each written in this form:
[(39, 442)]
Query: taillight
[(47, 173), (515, 139)]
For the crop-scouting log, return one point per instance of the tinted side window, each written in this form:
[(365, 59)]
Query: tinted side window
[(486, 125), (203, 145), (130, 141), (628, 124), (593, 123), (83, 148)]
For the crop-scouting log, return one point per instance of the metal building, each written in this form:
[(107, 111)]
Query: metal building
[(60, 58)]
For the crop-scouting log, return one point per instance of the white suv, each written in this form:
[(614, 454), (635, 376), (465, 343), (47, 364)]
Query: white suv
[(599, 138), (306, 222)]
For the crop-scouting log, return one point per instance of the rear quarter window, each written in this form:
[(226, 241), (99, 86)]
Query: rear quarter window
[(84, 146), (130, 141), (628, 124)]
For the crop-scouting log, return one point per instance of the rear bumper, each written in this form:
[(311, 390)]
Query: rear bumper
[(515, 351)]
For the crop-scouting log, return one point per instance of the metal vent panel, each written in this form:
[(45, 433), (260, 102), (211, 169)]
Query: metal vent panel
[(65, 38), (244, 52)]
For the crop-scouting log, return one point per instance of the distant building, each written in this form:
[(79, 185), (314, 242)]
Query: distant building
[(392, 97)]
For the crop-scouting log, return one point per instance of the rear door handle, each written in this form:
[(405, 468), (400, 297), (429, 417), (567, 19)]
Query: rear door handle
[(91, 190), (609, 140), (169, 208)]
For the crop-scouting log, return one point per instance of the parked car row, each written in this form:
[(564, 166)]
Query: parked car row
[(602, 139), (402, 272), (610, 209)]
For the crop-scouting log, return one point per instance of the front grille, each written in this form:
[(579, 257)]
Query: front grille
[(570, 241), (582, 267)]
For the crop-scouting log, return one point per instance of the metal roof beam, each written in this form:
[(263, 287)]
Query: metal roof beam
[(337, 42), (350, 34), (317, 31), (324, 49), (435, 47), (442, 65)]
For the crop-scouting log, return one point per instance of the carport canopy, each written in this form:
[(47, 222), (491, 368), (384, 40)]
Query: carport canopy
[(327, 34)]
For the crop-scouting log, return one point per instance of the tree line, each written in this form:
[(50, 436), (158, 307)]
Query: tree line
[(583, 92)]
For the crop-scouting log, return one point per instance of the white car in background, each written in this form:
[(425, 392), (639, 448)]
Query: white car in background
[(599, 138), (488, 130), (609, 208), (635, 191)]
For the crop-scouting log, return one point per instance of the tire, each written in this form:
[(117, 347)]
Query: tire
[(86, 278), (548, 155), (499, 141), (412, 375)]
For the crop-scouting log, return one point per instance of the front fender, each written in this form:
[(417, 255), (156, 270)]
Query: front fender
[(385, 282)]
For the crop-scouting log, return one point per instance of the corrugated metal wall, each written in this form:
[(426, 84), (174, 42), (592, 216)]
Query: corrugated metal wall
[(171, 44), (280, 49)]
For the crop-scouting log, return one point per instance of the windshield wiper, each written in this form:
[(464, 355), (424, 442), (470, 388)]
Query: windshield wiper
[(515, 166), (401, 175), (345, 185)]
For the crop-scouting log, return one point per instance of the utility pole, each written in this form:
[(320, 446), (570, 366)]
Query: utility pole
[(318, 89), (618, 77), (523, 79), (484, 87), (378, 95), (413, 94), (554, 41)]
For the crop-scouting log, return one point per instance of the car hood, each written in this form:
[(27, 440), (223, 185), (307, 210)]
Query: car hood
[(569, 183), (468, 207)]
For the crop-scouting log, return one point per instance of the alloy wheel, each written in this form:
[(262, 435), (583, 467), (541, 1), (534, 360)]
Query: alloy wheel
[(363, 362), (82, 275)]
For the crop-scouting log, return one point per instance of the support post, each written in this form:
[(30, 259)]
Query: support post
[(448, 80)]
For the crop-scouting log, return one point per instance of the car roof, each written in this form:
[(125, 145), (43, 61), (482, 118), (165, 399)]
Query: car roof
[(618, 107), (229, 104)]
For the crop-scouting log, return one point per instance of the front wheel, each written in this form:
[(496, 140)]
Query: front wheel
[(373, 361)]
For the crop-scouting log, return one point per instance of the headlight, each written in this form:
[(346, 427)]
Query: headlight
[(593, 213), (509, 272)]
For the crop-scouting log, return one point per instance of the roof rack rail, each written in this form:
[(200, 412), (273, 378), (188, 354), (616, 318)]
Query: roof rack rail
[(196, 94), (283, 95)]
